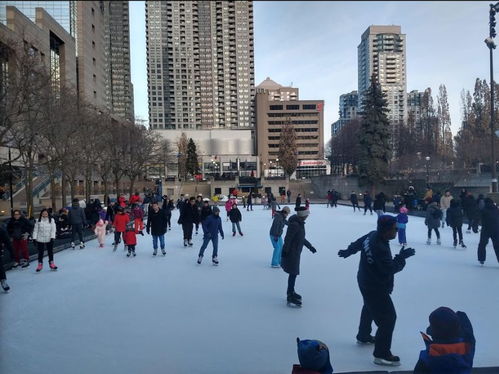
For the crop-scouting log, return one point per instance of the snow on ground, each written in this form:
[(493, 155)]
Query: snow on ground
[(105, 313)]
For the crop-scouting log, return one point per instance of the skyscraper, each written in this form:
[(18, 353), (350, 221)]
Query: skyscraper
[(200, 64)]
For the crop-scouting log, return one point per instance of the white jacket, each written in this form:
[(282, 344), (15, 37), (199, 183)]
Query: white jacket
[(44, 230)]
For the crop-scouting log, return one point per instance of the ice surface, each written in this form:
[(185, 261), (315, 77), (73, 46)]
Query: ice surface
[(105, 313)]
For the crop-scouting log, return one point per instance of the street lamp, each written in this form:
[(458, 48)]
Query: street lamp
[(427, 171)]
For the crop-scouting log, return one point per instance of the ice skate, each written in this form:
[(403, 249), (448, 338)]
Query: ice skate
[(155, 252), (24, 264), (234, 233), (141, 232), (275, 266), (390, 360), (481, 263), (134, 254), (365, 340), (163, 252), (101, 245), (15, 265), (215, 261), (439, 242), (428, 242), (115, 246), (200, 258), (241, 234), (39, 267), (462, 244), (5, 286), (298, 296), (82, 245), (52, 265), (185, 242), (189, 243), (455, 244), (293, 301), (73, 245), (128, 254)]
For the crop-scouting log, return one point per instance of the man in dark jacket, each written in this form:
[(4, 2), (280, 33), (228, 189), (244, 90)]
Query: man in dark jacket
[(355, 201), (368, 201), (375, 278), (157, 222), (250, 202), (77, 220), (19, 230), (4, 242), (298, 201), (454, 219), (291, 252), (211, 227), (490, 230), (336, 197), (470, 208), (188, 217)]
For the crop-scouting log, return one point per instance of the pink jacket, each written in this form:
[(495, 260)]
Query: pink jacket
[(228, 205)]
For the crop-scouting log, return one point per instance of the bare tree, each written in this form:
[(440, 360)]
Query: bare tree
[(288, 152)]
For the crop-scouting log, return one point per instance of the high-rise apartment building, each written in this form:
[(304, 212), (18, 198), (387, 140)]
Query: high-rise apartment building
[(414, 101), (381, 53), (349, 108), (200, 64)]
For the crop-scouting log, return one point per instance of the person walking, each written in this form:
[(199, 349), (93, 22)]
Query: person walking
[(19, 230), (368, 201), (291, 252), (376, 279), (454, 219), (298, 201), (250, 202), (121, 219), (157, 223), (276, 231), (288, 194), (432, 221), (211, 227), (235, 217), (44, 236), (355, 201), (444, 205), (4, 243), (402, 220), (77, 220), (188, 217), (490, 230)]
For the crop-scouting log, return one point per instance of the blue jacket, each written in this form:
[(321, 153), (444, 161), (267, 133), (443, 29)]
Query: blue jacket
[(402, 220), (449, 357), (212, 225)]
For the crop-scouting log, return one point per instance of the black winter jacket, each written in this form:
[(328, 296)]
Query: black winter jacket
[(490, 220), (278, 224), (205, 212), (188, 214), (235, 215), (354, 199), (293, 245), (454, 217), (156, 222), (18, 227)]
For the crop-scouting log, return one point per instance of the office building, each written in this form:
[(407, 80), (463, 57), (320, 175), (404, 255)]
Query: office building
[(349, 108), (200, 64)]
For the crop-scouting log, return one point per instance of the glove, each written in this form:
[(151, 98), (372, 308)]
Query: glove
[(148, 232), (313, 250), (344, 253), (223, 237), (407, 252)]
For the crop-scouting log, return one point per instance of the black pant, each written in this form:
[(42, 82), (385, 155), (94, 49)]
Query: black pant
[(168, 221), (131, 248), (187, 228), (2, 270), (436, 232), (291, 284), (117, 237), (335, 203), (366, 207), (484, 240), (41, 249), (197, 226), (77, 230), (378, 307), (250, 206), (458, 230)]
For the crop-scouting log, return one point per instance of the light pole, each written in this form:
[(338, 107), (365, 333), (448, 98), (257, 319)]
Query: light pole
[(427, 171), (491, 45)]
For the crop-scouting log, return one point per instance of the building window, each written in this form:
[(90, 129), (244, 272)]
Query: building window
[(292, 107), (276, 107), (309, 106)]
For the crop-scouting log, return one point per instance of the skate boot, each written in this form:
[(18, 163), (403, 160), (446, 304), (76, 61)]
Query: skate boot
[(455, 244), (155, 252), (428, 242), (115, 246), (189, 243), (293, 301), (200, 258), (141, 232), (439, 242), (481, 263), (24, 264), (241, 234), (462, 244), (215, 261), (129, 254), (101, 245), (82, 245), (133, 253), (365, 340), (15, 265), (39, 267), (234, 233), (5, 286), (298, 296), (389, 360), (163, 252), (52, 265), (185, 242), (73, 245)]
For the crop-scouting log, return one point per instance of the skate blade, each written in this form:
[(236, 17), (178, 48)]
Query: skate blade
[(380, 361), (291, 305)]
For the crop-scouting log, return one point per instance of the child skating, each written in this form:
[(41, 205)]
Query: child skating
[(121, 220), (235, 217), (130, 239), (402, 220), (100, 231)]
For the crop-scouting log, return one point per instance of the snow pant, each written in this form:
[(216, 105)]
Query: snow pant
[(378, 307), (20, 247), (444, 216), (234, 225), (402, 238), (457, 230), (214, 241), (276, 255), (484, 240), (131, 248), (250, 207), (368, 207), (355, 205), (41, 249), (436, 232), (138, 224), (379, 212), (117, 237), (77, 229), (187, 229), (161, 241), (291, 284), (101, 237)]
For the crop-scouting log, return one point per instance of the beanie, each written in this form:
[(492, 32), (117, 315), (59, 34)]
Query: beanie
[(286, 209), (444, 324), (314, 355), (386, 222), (301, 211), (215, 210)]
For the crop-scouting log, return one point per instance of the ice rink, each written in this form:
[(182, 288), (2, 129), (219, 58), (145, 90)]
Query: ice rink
[(102, 312)]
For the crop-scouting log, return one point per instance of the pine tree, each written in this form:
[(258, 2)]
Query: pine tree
[(374, 136), (288, 154), (192, 164), (182, 156)]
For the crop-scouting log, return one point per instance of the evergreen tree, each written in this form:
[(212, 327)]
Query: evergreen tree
[(374, 136), (288, 154), (182, 156), (192, 164)]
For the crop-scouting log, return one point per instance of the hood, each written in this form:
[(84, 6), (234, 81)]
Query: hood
[(75, 205)]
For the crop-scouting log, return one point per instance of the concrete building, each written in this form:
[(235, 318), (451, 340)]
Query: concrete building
[(414, 101), (349, 108), (307, 117), (381, 53), (200, 64)]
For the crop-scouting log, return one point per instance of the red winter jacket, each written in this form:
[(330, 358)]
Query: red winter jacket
[(120, 221), (130, 238), (134, 199), (122, 201)]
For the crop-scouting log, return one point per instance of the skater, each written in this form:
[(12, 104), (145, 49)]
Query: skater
[(19, 230), (288, 194), (188, 216), (451, 348), (228, 207), (402, 220), (291, 252), (368, 201), (250, 202), (121, 219), (100, 232), (274, 206), (298, 201), (454, 219), (336, 197), (375, 278), (470, 208), (4, 242), (138, 219), (211, 227), (77, 220), (307, 204), (157, 223), (135, 199), (276, 230), (490, 230), (444, 205), (432, 221), (199, 205), (44, 236), (379, 204), (235, 217), (329, 199), (168, 211), (355, 201), (205, 210), (130, 239)]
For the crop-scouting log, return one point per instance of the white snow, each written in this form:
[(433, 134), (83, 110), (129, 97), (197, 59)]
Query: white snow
[(102, 312)]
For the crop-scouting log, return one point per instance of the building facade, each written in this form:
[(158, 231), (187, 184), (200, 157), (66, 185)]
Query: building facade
[(349, 110), (306, 116), (414, 102), (200, 64)]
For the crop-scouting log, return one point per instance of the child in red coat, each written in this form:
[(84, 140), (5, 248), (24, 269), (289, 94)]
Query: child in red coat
[(130, 239), (120, 222)]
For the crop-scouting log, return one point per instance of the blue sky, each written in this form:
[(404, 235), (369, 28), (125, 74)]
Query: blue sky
[(313, 44)]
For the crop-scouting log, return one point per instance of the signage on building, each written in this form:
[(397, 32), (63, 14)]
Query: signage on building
[(313, 163)]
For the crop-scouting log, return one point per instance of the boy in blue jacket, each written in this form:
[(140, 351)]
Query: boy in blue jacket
[(211, 227), (451, 348)]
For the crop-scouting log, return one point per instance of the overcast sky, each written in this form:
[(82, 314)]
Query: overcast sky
[(313, 45)]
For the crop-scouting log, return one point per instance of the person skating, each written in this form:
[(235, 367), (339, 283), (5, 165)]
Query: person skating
[(130, 239), (454, 219), (291, 252), (336, 197), (235, 217), (77, 220), (250, 202), (379, 204), (100, 231), (157, 223), (376, 279), (211, 227), (402, 220), (288, 194), (274, 206), (44, 236), (298, 201), (138, 219), (444, 205), (276, 231), (470, 208), (329, 197), (135, 199), (228, 207), (4, 243), (121, 219), (19, 230), (368, 201), (199, 205), (188, 217), (432, 221), (490, 230), (355, 201)]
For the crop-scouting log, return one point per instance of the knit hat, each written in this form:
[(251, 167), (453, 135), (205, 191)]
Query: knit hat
[(403, 210), (215, 210), (301, 211), (286, 209), (314, 355), (386, 222), (444, 324), (206, 200)]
